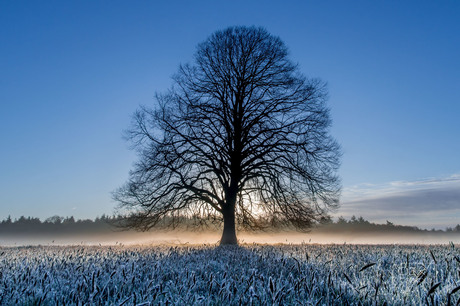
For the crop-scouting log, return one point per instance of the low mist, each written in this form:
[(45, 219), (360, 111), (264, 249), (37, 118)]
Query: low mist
[(203, 237)]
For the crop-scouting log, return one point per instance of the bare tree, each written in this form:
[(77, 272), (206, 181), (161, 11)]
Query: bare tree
[(242, 135)]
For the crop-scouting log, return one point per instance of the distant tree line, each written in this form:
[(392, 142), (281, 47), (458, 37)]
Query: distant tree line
[(359, 224), (69, 225), (30, 225)]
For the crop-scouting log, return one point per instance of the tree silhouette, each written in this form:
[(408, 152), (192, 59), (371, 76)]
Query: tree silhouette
[(242, 136)]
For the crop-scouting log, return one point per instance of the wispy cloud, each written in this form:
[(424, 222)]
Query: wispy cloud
[(431, 202)]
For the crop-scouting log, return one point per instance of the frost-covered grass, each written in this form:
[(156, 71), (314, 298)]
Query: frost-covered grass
[(250, 274)]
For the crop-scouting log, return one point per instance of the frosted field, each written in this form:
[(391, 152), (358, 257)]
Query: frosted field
[(210, 275)]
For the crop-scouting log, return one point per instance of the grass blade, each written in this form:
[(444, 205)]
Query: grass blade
[(348, 279), (433, 288), (367, 266)]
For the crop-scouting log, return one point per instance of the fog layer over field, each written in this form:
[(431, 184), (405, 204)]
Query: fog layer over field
[(202, 237)]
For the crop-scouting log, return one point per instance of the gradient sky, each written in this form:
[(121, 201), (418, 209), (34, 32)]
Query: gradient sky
[(73, 72)]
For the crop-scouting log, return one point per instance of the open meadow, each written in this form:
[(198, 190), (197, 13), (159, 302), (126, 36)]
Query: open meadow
[(229, 153), (250, 274)]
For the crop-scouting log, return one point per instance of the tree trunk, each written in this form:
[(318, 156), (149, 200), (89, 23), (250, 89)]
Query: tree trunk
[(229, 233)]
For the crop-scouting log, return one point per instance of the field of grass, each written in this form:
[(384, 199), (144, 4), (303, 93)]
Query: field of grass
[(306, 274)]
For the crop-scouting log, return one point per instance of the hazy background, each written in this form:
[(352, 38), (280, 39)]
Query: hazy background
[(72, 73), (212, 238)]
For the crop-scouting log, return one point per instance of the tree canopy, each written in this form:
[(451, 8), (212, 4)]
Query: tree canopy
[(242, 136)]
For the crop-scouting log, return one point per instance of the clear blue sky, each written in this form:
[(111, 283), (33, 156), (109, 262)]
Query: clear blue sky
[(73, 72)]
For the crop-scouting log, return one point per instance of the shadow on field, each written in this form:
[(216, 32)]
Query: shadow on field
[(249, 274)]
